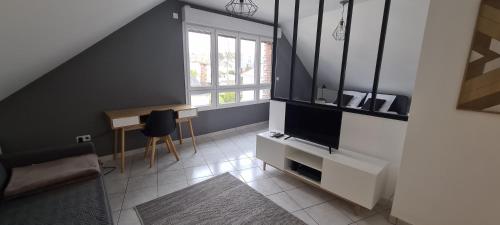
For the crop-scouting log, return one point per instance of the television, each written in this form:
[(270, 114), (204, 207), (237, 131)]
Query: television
[(313, 123)]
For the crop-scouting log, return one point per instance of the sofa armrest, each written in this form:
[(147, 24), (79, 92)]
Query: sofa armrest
[(47, 154)]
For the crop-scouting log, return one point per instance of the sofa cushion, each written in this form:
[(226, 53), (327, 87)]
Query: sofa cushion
[(39, 177), (78, 203)]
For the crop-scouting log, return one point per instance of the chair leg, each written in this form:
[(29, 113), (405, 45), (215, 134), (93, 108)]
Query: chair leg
[(146, 150), (173, 147), (153, 153), (166, 145)]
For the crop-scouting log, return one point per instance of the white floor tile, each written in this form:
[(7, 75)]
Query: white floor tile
[(197, 172), (116, 201), (129, 217), (137, 197), (328, 214), (242, 164), (198, 180), (374, 220), (308, 196), (141, 182), (215, 157), (221, 167), (141, 167), (282, 199), (116, 217), (171, 176), (348, 209), (265, 186), (252, 174), (171, 187), (169, 165), (116, 186), (287, 182), (301, 214)]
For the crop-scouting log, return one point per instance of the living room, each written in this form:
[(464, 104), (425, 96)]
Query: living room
[(269, 110)]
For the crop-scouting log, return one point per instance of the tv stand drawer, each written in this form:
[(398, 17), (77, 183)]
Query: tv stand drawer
[(271, 152)]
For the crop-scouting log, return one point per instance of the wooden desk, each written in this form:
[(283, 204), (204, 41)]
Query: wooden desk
[(130, 119)]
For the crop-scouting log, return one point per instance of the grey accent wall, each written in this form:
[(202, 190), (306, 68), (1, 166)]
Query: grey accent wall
[(140, 64), (302, 79)]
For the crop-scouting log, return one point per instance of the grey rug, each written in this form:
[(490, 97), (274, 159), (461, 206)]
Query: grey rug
[(221, 200)]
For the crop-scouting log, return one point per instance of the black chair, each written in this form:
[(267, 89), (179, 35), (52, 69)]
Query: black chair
[(159, 125)]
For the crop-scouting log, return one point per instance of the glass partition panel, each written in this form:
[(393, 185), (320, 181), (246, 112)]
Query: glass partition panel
[(305, 50), (363, 49), (284, 49), (331, 50)]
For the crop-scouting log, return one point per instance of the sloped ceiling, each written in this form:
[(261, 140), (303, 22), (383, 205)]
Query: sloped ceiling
[(37, 36)]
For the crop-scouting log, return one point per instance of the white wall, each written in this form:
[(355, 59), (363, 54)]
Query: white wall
[(378, 137), (450, 170), (205, 18)]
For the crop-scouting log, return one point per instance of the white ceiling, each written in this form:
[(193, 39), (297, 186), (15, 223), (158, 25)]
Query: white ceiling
[(37, 36)]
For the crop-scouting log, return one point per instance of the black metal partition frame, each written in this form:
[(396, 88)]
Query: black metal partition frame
[(345, 53)]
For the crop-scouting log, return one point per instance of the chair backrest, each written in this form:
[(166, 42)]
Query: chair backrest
[(160, 123)]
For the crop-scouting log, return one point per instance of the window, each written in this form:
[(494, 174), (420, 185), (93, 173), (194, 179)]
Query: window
[(226, 69), (265, 94), (266, 64), (200, 59), (227, 97), (227, 60), (247, 96), (203, 99), (247, 62)]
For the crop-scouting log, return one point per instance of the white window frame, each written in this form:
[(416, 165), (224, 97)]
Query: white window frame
[(215, 89)]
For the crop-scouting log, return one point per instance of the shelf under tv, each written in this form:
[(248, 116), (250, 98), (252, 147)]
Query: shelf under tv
[(304, 158)]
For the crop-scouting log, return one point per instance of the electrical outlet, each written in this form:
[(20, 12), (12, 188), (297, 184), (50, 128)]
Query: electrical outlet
[(175, 16), (83, 138)]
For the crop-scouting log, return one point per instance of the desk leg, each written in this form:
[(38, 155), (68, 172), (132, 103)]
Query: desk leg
[(192, 134), (115, 145), (122, 149), (179, 124)]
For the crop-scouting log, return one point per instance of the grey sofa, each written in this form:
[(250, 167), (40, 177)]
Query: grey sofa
[(82, 202)]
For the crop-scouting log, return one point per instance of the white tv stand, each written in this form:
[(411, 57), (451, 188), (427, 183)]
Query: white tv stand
[(350, 175)]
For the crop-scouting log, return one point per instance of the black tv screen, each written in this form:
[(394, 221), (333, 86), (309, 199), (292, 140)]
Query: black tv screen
[(314, 124)]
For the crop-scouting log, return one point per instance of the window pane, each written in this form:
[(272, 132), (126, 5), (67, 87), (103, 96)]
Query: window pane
[(204, 99), (199, 59), (264, 94), (227, 97), (266, 58), (227, 60), (247, 62), (247, 96)]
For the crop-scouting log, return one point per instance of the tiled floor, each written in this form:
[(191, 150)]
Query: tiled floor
[(233, 152)]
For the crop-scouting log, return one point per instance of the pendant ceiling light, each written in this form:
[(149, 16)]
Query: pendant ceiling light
[(242, 7), (339, 32)]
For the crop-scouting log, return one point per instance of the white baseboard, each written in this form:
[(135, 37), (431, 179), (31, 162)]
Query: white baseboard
[(263, 124)]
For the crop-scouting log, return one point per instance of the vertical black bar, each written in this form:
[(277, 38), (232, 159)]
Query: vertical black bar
[(275, 46), (294, 46), (380, 54), (345, 53), (318, 46)]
